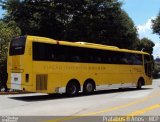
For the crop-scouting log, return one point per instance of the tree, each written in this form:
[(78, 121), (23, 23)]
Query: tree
[(146, 45), (156, 25), (7, 32), (105, 23), (99, 21)]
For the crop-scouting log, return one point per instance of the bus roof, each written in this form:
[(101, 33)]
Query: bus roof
[(82, 44)]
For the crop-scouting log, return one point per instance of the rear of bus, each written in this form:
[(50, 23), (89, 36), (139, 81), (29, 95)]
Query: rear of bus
[(19, 66)]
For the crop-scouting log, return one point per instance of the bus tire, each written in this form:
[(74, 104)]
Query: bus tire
[(140, 83), (3, 88), (72, 89), (88, 87)]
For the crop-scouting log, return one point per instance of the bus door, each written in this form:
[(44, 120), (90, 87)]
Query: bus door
[(148, 65), (126, 70), (136, 66), (133, 68)]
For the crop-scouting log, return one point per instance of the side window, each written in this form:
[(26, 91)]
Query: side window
[(138, 59), (43, 51), (38, 51), (52, 52), (60, 53), (73, 54), (114, 57), (123, 58), (129, 58), (91, 56), (147, 58), (98, 56), (48, 52), (109, 57), (35, 51)]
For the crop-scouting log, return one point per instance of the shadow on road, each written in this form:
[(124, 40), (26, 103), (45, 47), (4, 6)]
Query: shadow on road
[(64, 96)]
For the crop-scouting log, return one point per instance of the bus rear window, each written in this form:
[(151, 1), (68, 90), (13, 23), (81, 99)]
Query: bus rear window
[(17, 46)]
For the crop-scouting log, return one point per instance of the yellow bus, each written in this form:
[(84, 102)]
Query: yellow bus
[(39, 64)]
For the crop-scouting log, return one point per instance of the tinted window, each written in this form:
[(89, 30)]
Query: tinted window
[(17, 46), (52, 52), (43, 52), (135, 59), (147, 58)]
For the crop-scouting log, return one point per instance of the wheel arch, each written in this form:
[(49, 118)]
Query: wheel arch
[(142, 80)]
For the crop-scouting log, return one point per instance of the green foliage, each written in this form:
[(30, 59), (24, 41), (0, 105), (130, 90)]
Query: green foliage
[(146, 45), (7, 32), (99, 21), (156, 25)]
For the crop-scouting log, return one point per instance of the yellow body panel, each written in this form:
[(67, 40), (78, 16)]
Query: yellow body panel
[(60, 73)]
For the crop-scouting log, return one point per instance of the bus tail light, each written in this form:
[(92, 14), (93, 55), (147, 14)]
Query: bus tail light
[(27, 77)]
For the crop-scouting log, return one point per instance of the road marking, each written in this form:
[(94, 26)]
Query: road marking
[(105, 110), (142, 111), (135, 113), (121, 106)]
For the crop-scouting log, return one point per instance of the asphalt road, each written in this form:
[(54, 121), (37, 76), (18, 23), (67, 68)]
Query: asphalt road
[(124, 102)]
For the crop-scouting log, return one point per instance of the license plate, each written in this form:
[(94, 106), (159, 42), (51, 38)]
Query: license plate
[(15, 79)]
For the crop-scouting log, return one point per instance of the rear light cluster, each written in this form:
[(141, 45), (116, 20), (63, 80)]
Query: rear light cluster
[(27, 77)]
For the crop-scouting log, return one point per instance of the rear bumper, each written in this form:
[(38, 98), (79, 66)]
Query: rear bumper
[(21, 87)]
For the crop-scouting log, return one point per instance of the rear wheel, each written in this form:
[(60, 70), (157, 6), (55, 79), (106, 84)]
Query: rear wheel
[(3, 88), (72, 89), (88, 88), (139, 84)]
